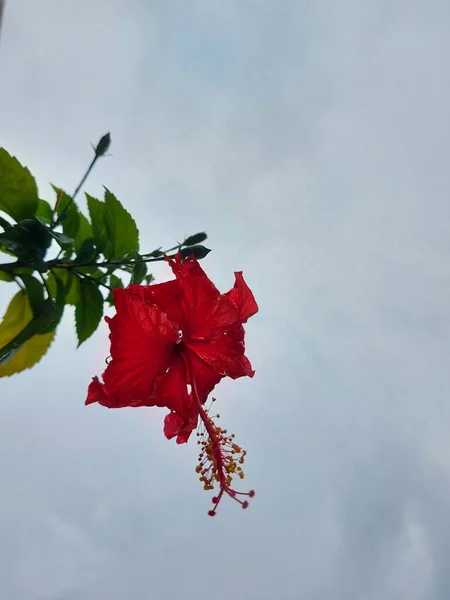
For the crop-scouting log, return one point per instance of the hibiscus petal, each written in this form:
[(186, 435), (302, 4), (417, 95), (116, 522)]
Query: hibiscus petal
[(142, 345), (174, 425), (171, 389), (167, 296), (242, 297), (208, 312), (206, 378), (226, 355)]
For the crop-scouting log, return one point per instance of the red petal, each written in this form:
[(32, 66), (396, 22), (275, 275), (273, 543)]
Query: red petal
[(208, 313), (171, 389), (142, 345), (206, 378), (96, 393), (168, 297), (226, 355), (242, 297), (174, 425)]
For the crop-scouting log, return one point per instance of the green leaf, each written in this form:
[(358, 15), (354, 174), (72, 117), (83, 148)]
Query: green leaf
[(59, 300), (6, 276), (21, 340), (44, 211), (97, 210), (139, 271), (92, 271), (18, 191), (35, 291), (71, 221), (89, 310), (84, 232), (71, 285), (149, 279), (63, 240), (4, 223), (121, 228), (28, 240), (87, 251), (114, 282)]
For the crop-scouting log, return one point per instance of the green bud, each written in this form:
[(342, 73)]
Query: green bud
[(103, 145), (198, 251), (197, 238)]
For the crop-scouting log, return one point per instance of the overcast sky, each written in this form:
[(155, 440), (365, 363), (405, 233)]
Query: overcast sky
[(310, 139)]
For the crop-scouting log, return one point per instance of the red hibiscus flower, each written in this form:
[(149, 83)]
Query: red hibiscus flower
[(171, 343)]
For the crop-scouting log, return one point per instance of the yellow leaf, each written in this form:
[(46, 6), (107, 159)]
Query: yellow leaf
[(19, 314)]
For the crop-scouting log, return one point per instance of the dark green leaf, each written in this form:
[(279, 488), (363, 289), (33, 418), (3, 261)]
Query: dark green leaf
[(197, 238), (63, 240), (71, 285), (18, 191), (139, 271), (64, 205), (35, 291), (4, 223), (121, 228), (89, 310), (28, 240), (44, 211), (92, 271), (198, 251), (58, 300), (87, 252), (5, 276), (84, 232), (149, 279), (97, 211), (114, 282), (36, 326)]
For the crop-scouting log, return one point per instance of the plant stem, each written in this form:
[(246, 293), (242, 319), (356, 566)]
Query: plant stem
[(83, 179)]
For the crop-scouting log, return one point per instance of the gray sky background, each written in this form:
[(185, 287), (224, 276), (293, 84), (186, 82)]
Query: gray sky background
[(311, 141)]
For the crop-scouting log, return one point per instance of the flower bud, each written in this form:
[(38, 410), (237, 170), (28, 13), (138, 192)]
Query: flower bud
[(103, 145), (198, 251), (197, 238)]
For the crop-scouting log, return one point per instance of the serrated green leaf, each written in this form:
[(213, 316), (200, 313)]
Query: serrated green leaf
[(64, 241), (71, 285), (89, 310), (97, 210), (114, 282), (22, 343), (44, 211), (122, 230), (73, 290), (35, 291), (92, 271), (139, 271), (58, 301), (87, 251), (18, 191), (71, 221), (84, 232), (28, 240)]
